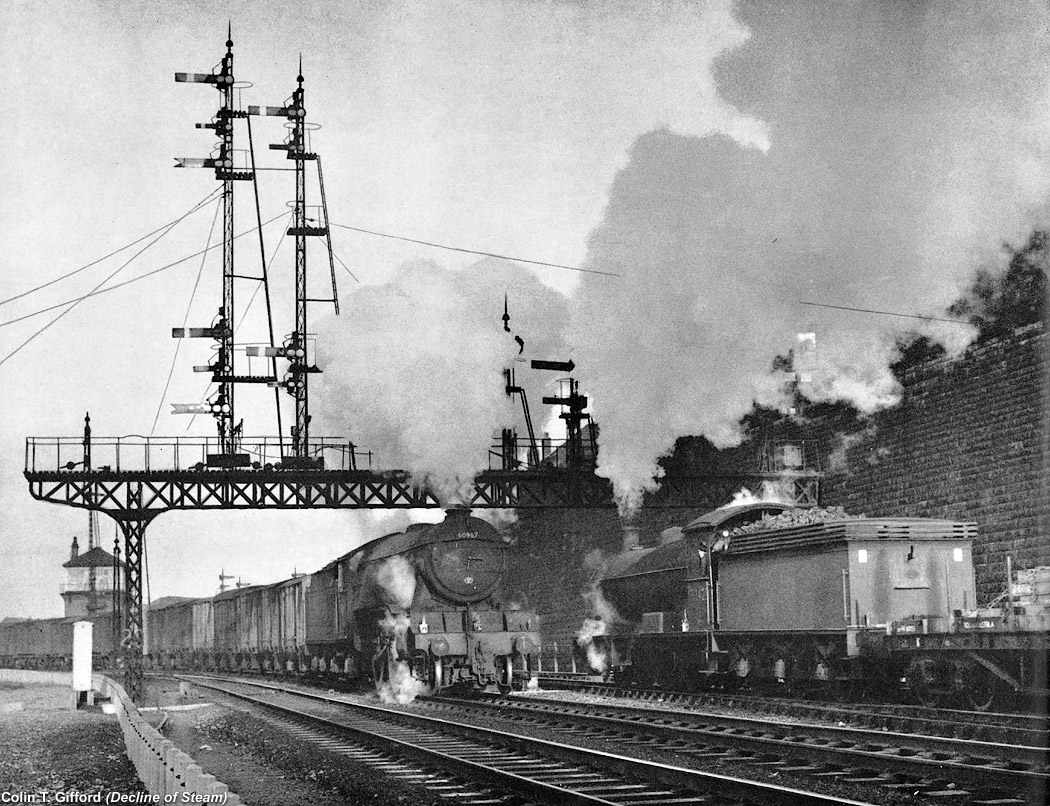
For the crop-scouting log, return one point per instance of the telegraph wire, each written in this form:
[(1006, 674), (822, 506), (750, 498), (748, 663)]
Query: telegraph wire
[(255, 293), (95, 293), (185, 319), (885, 313), (110, 276), (475, 251), (99, 260), (244, 314), (345, 267)]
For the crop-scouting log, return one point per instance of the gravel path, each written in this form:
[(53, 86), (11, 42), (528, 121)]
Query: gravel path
[(46, 746), (265, 765)]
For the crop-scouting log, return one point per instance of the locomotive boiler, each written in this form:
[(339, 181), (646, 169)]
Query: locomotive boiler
[(419, 609)]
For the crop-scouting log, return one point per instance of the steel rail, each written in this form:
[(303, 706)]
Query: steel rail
[(1010, 728), (974, 763), (484, 757)]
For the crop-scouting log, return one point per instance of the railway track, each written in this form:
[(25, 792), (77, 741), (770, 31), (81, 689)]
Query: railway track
[(477, 764), (1004, 728), (985, 771)]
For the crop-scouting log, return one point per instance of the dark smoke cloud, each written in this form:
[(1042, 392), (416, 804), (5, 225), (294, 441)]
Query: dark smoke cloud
[(907, 140)]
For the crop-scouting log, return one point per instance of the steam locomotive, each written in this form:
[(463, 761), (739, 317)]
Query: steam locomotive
[(419, 609), (755, 595)]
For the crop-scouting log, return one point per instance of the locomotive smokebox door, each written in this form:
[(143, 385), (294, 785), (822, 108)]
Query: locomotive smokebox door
[(466, 570), (465, 562)]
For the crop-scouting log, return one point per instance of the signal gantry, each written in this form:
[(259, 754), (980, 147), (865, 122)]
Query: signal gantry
[(135, 479)]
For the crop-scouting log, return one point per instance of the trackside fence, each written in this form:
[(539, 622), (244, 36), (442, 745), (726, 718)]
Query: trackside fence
[(164, 770)]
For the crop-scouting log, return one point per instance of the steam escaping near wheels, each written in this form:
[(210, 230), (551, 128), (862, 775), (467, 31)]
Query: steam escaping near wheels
[(401, 687)]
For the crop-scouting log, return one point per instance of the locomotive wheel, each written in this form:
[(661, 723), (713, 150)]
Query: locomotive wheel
[(381, 667), (508, 674), (437, 675)]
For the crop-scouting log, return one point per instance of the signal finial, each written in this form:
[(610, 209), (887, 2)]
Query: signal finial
[(229, 33), (299, 78)]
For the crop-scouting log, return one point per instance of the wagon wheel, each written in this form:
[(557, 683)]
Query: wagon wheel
[(922, 681), (978, 686)]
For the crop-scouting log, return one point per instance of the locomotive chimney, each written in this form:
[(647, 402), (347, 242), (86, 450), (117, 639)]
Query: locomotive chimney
[(631, 534), (457, 511)]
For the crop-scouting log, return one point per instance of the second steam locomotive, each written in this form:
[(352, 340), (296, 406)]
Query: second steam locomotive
[(762, 594)]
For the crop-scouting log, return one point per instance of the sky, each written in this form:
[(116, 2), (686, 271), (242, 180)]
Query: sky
[(723, 160)]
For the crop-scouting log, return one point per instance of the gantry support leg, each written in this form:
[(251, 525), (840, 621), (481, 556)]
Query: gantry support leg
[(133, 525)]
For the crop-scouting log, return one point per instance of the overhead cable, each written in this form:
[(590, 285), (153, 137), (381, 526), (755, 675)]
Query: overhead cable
[(95, 293), (185, 319), (244, 315), (341, 263), (885, 313), (110, 276), (94, 262), (476, 252)]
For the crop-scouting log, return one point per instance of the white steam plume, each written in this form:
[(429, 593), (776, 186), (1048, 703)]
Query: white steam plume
[(500, 518), (402, 688), (397, 578), (907, 141), (779, 491), (414, 369), (394, 624), (603, 616)]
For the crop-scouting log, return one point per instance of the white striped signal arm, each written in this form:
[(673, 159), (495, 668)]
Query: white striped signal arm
[(269, 111), (190, 408), (269, 352), (194, 162), (196, 78)]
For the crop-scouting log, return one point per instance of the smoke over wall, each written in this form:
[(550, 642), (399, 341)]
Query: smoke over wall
[(907, 141), (414, 369)]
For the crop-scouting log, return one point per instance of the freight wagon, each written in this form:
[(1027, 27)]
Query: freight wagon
[(48, 643)]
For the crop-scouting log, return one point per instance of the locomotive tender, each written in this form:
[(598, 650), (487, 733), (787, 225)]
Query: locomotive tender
[(424, 604), (860, 604)]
